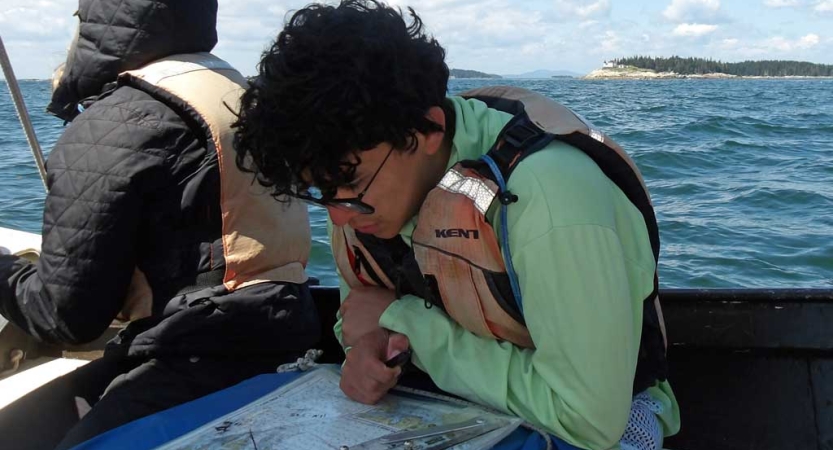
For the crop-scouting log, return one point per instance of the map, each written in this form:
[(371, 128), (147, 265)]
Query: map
[(311, 413)]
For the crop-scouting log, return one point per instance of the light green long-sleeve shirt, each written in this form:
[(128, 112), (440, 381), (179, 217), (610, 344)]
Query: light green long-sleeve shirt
[(584, 263)]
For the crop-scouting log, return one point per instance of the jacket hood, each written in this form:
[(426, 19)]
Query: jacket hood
[(118, 35)]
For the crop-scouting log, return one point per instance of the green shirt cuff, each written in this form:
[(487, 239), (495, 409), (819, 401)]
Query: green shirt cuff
[(392, 318)]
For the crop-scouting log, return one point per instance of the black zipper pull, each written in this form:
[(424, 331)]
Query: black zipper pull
[(432, 293), (357, 261)]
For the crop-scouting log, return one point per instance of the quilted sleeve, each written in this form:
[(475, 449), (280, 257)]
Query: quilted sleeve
[(107, 162)]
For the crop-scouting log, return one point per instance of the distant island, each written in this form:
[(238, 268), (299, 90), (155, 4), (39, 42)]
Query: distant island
[(644, 67), (535, 74), (542, 74), (463, 73)]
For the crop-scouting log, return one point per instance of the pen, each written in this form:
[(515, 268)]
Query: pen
[(400, 359)]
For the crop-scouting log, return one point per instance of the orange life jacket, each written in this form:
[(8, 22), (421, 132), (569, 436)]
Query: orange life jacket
[(456, 261), (263, 240)]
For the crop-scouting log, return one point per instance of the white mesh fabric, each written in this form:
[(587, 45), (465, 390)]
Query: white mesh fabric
[(644, 432), (478, 191)]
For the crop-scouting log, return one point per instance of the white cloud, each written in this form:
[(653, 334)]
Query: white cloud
[(824, 6), (809, 41), (786, 45), (36, 34), (692, 11), (781, 44), (595, 9), (429, 4), (252, 20), (609, 43), (43, 20), (781, 3), (496, 36), (810, 47), (584, 10), (693, 29)]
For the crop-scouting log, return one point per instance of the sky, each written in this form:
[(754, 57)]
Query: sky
[(497, 36)]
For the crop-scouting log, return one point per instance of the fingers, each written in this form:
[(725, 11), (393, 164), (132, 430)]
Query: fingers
[(367, 380), (397, 343)]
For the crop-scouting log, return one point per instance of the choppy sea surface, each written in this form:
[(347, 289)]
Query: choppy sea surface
[(740, 171)]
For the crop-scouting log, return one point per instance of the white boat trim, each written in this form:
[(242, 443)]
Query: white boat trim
[(20, 384), (20, 243)]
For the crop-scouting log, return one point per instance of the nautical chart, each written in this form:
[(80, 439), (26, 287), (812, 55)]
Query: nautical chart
[(312, 413)]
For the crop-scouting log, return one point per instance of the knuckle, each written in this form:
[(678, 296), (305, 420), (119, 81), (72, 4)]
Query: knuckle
[(350, 359)]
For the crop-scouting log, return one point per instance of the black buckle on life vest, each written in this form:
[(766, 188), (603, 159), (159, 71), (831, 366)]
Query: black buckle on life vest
[(507, 197), (520, 134)]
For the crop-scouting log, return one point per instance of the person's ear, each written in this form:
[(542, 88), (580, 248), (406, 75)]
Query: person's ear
[(434, 140)]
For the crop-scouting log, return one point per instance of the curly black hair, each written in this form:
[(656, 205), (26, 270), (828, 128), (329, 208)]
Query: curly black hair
[(338, 80)]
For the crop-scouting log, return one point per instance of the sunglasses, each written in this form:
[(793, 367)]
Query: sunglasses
[(354, 204)]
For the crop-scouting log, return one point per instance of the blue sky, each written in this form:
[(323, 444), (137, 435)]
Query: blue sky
[(498, 36)]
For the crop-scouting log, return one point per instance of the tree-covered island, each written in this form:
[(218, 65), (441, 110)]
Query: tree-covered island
[(463, 73), (677, 67)]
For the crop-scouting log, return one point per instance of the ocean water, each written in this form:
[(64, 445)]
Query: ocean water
[(740, 171)]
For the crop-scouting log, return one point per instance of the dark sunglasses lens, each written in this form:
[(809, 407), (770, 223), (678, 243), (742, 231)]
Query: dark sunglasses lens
[(309, 199), (311, 193), (313, 196), (353, 206)]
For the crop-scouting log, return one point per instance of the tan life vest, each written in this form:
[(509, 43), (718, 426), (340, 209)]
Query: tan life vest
[(458, 254), (263, 239)]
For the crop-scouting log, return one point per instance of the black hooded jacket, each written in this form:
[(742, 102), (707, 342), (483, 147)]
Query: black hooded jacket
[(132, 185)]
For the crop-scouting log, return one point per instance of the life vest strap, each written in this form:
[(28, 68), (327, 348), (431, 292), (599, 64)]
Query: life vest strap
[(519, 138)]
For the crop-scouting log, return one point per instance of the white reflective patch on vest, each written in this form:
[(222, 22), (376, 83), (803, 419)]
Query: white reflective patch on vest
[(166, 68), (454, 182), (597, 135)]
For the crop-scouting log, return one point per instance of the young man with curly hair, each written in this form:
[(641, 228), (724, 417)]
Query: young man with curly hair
[(148, 222), (508, 244)]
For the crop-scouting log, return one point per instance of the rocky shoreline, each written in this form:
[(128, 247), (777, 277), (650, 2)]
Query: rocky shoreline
[(633, 73)]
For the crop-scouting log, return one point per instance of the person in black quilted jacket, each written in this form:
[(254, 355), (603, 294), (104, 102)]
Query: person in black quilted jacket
[(133, 228)]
